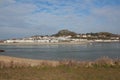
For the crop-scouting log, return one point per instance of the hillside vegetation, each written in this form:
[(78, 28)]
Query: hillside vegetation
[(89, 36), (65, 33)]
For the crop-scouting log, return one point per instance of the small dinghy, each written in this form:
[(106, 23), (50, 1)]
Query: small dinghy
[(2, 50)]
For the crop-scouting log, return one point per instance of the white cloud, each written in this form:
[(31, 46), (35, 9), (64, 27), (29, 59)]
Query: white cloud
[(17, 9), (6, 2), (14, 15), (25, 18), (107, 11), (109, 14)]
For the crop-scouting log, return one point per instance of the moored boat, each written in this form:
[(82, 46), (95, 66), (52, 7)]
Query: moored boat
[(2, 50)]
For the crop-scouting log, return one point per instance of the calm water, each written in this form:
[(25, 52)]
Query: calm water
[(60, 52)]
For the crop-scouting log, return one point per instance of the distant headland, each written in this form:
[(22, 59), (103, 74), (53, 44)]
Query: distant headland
[(67, 36)]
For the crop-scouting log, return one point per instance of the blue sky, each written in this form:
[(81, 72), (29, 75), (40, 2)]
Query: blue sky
[(22, 18)]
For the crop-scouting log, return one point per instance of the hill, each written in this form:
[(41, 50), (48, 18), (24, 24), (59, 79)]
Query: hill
[(65, 32)]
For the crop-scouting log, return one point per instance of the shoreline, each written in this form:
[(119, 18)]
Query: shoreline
[(60, 43), (26, 61), (8, 61)]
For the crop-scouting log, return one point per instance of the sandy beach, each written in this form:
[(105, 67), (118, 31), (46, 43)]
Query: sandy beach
[(31, 62)]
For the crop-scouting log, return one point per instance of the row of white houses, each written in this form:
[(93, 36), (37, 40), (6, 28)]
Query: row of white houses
[(44, 40), (30, 41), (56, 41)]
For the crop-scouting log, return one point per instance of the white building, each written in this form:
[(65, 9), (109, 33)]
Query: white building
[(18, 41), (43, 41), (79, 40), (54, 40)]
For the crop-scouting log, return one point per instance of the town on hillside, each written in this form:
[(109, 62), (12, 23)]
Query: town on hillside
[(67, 36)]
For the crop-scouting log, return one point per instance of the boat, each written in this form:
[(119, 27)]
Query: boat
[(2, 50)]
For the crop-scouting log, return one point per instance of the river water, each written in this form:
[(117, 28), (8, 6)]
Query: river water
[(63, 51)]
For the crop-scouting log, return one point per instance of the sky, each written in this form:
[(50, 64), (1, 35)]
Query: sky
[(22, 18)]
